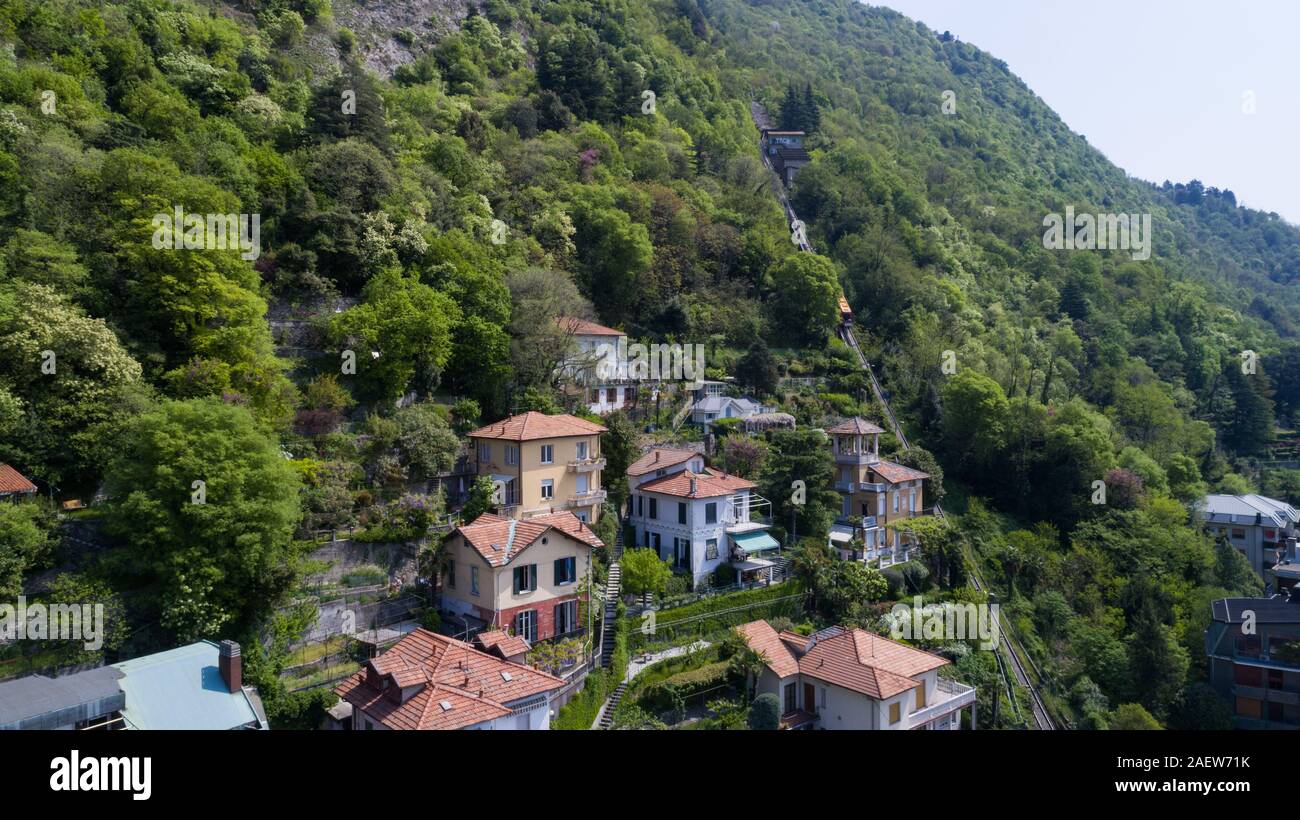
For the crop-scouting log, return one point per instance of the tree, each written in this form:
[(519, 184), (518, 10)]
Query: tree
[(765, 713), (795, 478), (974, 420), (425, 442), (941, 546), (481, 495), (619, 446), (1132, 717), (539, 344), (1233, 572), (644, 572), (1158, 661), (205, 505), (743, 456), (757, 369), (24, 543), (804, 298), (400, 335)]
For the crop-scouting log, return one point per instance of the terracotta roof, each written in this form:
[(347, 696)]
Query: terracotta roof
[(659, 458), (461, 686), (851, 658), (707, 484), (895, 473), (534, 425), (505, 644), (855, 426), (582, 327), (12, 481), (500, 540), (762, 638)]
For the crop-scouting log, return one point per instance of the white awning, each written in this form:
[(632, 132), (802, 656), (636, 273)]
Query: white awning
[(752, 563), (841, 534), (504, 479)]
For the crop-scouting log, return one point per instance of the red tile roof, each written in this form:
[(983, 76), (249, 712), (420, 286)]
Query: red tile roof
[(896, 473), (658, 459), (582, 327), (855, 426), (500, 540), (460, 686), (707, 484), (13, 482), (507, 645), (852, 658), (534, 425)]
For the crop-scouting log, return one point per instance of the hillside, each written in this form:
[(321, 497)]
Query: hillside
[(435, 182)]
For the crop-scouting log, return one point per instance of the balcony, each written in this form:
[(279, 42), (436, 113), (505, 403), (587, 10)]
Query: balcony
[(586, 465), (746, 513), (867, 487), (587, 499), (950, 696), (856, 457)]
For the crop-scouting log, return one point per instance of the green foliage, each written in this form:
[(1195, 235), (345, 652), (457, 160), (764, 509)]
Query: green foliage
[(1131, 716), (764, 713), (25, 542), (644, 571)]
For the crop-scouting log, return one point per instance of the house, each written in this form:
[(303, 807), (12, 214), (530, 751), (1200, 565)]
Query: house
[(523, 576), (1253, 646), (712, 408), (199, 686), (542, 464), (428, 681), (697, 518), (785, 151), (873, 493), (13, 484), (597, 365), (1258, 526), (842, 678)]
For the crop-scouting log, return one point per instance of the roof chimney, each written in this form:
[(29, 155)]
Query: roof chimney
[(231, 666), (692, 486)]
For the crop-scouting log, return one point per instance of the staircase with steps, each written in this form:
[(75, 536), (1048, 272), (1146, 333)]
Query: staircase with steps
[(780, 568), (613, 583), (607, 716)]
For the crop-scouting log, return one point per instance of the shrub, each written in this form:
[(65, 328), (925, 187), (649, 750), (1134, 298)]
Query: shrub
[(765, 714)]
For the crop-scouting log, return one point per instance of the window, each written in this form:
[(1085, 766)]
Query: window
[(920, 696), (566, 617), (525, 578), (681, 512), (895, 497), (583, 483), (581, 451), (789, 693), (565, 570), (880, 505), (548, 488), (895, 713), (911, 501), (682, 553), (1275, 679), (512, 454), (1238, 533), (654, 509), (484, 451), (738, 508), (451, 574), (711, 512), (640, 506), (548, 453), (473, 580), (526, 625), (711, 549), (654, 542)]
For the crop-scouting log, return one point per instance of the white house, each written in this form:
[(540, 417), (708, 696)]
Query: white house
[(595, 364), (1258, 526), (698, 519), (712, 408), (842, 678)]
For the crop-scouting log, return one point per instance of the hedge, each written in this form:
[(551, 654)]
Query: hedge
[(685, 623)]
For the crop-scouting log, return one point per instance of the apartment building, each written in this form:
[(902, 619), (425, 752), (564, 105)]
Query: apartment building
[(873, 493), (596, 365), (1253, 646), (542, 464), (842, 678), (522, 576), (1258, 526)]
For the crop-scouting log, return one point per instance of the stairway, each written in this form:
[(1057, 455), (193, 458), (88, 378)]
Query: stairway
[(607, 717), (613, 583), (780, 568)]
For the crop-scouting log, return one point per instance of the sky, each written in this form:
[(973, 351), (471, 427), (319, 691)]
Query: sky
[(1161, 87)]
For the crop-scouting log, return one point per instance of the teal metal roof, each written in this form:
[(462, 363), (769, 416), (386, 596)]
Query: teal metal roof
[(756, 541), (182, 688)]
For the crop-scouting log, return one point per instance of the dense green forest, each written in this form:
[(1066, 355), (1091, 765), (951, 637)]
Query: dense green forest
[(433, 213)]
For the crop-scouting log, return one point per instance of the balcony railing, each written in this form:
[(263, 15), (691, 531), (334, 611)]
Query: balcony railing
[(587, 465), (950, 696), (588, 498), (743, 513)]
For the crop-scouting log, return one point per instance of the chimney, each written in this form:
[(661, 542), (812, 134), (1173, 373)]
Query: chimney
[(231, 666), (692, 486)]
